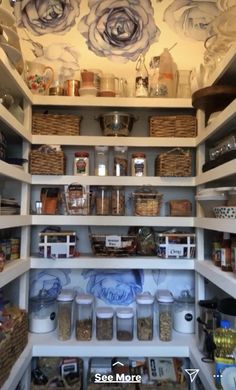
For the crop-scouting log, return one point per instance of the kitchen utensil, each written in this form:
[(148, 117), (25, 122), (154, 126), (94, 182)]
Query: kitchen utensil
[(116, 123)]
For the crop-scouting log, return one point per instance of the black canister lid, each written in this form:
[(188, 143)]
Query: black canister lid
[(227, 306), (208, 303)]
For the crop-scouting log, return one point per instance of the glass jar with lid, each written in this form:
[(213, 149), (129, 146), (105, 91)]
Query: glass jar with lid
[(117, 201), (103, 200), (101, 160), (144, 304), (84, 317), (81, 164), (165, 306), (104, 323), (120, 167), (124, 324), (184, 313), (139, 164), (42, 313), (65, 310)]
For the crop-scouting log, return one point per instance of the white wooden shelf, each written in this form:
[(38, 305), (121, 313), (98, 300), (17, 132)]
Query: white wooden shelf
[(206, 370), (114, 180), (225, 280), (216, 224), (92, 262), (144, 142), (84, 220), (225, 170), (13, 269), (9, 170), (10, 121), (10, 221)]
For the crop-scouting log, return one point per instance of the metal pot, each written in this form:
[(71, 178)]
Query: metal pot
[(116, 123)]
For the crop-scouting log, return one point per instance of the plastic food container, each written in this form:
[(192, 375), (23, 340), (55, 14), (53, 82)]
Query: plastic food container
[(43, 314), (104, 323), (124, 324), (165, 304), (120, 161), (101, 160), (84, 317), (65, 309), (144, 304), (210, 198), (117, 201), (103, 201), (184, 313), (139, 164)]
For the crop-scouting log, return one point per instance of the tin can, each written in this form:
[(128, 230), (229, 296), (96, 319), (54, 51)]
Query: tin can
[(81, 164), (71, 87)]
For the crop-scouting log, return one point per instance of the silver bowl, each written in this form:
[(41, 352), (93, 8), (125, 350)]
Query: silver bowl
[(116, 123)]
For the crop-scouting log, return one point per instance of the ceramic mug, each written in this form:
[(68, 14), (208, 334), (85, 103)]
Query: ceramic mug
[(36, 77)]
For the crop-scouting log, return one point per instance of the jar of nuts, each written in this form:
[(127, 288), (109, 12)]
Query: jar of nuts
[(165, 303), (124, 324), (120, 167), (102, 201), (104, 323), (144, 304), (117, 201), (64, 319), (84, 317)]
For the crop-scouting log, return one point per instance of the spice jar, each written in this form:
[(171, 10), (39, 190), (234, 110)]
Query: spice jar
[(101, 160), (138, 164), (165, 303), (102, 201), (120, 161), (81, 164), (117, 201), (124, 324), (104, 323), (144, 304), (64, 305), (84, 317), (184, 313)]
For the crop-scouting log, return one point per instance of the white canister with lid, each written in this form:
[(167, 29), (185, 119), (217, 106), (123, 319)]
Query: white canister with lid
[(165, 301), (184, 313), (104, 323), (65, 311), (144, 305), (124, 323)]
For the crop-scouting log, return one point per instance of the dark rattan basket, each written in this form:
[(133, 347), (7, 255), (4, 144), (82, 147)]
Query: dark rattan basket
[(173, 126), (55, 124), (47, 162), (175, 163)]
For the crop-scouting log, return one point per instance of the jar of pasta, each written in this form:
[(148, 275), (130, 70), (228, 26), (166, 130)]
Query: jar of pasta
[(120, 167)]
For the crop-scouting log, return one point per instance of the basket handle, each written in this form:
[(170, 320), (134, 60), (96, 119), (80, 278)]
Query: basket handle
[(177, 149)]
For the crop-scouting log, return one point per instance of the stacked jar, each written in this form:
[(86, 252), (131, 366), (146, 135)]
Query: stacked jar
[(125, 324), (101, 160), (118, 201), (81, 164), (120, 167), (165, 306), (84, 317), (139, 164), (104, 323), (144, 304), (103, 200), (65, 310)]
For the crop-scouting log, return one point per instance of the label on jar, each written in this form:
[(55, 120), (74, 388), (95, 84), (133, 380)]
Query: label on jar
[(113, 241), (225, 256), (80, 166)]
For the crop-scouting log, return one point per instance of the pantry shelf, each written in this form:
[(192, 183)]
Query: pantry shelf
[(216, 224), (221, 172), (225, 280), (206, 370), (13, 172), (13, 269), (11, 221), (10, 121)]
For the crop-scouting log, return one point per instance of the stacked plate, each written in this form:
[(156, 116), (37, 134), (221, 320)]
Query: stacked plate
[(9, 206)]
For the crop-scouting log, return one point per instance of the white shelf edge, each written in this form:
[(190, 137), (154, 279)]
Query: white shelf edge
[(82, 140), (132, 102), (206, 370), (216, 224), (92, 262), (10, 221), (224, 170), (113, 180), (13, 269), (14, 173), (109, 220), (13, 123), (225, 280)]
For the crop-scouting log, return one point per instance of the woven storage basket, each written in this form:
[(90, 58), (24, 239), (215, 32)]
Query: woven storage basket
[(47, 163), (173, 126), (100, 245), (180, 208), (19, 335), (5, 359), (176, 162), (104, 386), (49, 385), (146, 202), (55, 124)]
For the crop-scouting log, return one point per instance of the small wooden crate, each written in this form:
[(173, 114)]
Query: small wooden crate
[(173, 126), (43, 162), (55, 124), (146, 202), (180, 208), (174, 163)]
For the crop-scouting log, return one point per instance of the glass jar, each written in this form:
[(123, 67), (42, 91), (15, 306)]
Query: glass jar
[(65, 305), (102, 201), (124, 324), (117, 201), (42, 313), (165, 303), (84, 317), (138, 164), (120, 167), (104, 323), (81, 164), (144, 304), (101, 160), (184, 313)]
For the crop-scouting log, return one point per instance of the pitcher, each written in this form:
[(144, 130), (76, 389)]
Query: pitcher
[(36, 77)]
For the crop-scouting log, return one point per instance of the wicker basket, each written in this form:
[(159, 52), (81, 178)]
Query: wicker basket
[(51, 385), (176, 163), (105, 386), (5, 359), (54, 124), (44, 161), (173, 126), (180, 208), (146, 202), (19, 335), (107, 245)]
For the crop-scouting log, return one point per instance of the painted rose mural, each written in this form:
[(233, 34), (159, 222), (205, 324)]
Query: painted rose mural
[(46, 16), (119, 30)]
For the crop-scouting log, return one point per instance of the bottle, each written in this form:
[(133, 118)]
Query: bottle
[(154, 77), (226, 263), (225, 341), (166, 77), (141, 79)]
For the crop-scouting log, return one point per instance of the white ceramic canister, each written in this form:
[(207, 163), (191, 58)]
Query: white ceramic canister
[(184, 313)]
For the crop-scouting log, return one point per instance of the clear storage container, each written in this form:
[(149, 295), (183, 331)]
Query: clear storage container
[(81, 164), (101, 160), (124, 324), (42, 313), (104, 323), (103, 201), (165, 306), (118, 201), (138, 164), (184, 313), (144, 304), (65, 310), (120, 167), (84, 317)]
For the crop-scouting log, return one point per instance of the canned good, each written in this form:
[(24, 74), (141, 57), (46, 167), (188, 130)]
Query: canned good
[(81, 164), (139, 164)]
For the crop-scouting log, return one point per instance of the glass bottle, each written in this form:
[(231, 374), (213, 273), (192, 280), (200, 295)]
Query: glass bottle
[(141, 79), (144, 304), (166, 77), (64, 319), (226, 263), (154, 77), (117, 201), (84, 317)]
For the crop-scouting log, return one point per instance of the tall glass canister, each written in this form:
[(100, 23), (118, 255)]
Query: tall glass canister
[(144, 305), (84, 317), (65, 310), (165, 307)]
